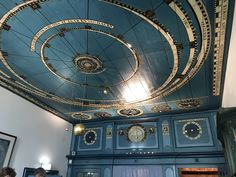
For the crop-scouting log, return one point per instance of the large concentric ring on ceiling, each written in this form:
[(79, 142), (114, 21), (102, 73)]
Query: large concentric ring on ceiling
[(99, 70), (70, 21), (195, 58)]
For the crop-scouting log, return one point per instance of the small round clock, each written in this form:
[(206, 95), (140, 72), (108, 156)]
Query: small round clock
[(136, 133), (192, 130), (90, 137)]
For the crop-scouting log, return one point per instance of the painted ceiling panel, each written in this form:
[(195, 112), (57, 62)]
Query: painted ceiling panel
[(93, 59)]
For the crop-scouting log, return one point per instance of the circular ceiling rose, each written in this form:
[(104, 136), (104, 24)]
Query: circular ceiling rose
[(188, 104), (130, 112), (161, 108), (88, 64), (81, 116), (102, 114)]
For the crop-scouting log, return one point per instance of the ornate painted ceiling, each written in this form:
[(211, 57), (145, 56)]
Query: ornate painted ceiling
[(100, 59)]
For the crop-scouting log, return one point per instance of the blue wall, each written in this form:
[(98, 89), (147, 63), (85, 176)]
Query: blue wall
[(170, 145)]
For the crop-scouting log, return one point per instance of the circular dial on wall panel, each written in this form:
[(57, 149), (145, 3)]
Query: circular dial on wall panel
[(192, 130), (136, 133), (90, 137)]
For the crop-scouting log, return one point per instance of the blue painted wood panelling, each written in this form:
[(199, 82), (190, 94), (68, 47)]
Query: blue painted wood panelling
[(169, 136), (166, 136), (107, 172), (109, 139), (203, 138), (168, 147), (82, 146), (169, 172), (151, 140)]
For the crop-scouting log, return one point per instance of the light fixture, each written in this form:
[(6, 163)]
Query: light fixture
[(79, 129), (45, 163), (135, 91), (105, 91), (129, 45)]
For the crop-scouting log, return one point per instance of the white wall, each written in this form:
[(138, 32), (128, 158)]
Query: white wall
[(39, 133), (229, 94)]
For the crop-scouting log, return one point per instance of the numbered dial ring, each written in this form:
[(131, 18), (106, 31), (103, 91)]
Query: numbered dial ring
[(90, 137), (136, 133), (192, 130)]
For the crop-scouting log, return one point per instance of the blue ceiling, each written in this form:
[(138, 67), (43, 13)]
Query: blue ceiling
[(100, 59)]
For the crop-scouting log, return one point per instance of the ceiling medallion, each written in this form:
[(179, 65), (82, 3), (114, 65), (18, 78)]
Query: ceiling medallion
[(88, 64), (130, 112), (102, 114), (81, 116), (161, 108), (188, 104)]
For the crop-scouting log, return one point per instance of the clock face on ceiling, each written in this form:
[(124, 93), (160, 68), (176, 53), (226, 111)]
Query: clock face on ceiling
[(136, 133), (90, 137), (192, 130)]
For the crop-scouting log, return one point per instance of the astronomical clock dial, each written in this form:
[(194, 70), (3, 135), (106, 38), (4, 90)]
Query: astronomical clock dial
[(90, 137), (192, 130), (136, 133)]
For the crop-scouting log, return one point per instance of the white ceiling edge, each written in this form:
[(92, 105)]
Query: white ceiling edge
[(229, 93)]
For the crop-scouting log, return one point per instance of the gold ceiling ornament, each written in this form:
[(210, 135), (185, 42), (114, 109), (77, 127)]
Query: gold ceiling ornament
[(188, 104), (221, 13), (79, 129), (62, 22), (130, 112), (80, 116), (161, 108)]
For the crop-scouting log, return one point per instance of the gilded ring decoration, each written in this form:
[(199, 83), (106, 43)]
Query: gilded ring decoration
[(62, 22), (161, 108), (88, 64), (90, 137), (81, 116), (130, 112), (192, 130), (132, 51), (188, 104)]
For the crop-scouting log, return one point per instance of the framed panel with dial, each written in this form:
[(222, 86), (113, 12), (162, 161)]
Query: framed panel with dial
[(132, 136), (91, 139), (136, 133), (193, 132)]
